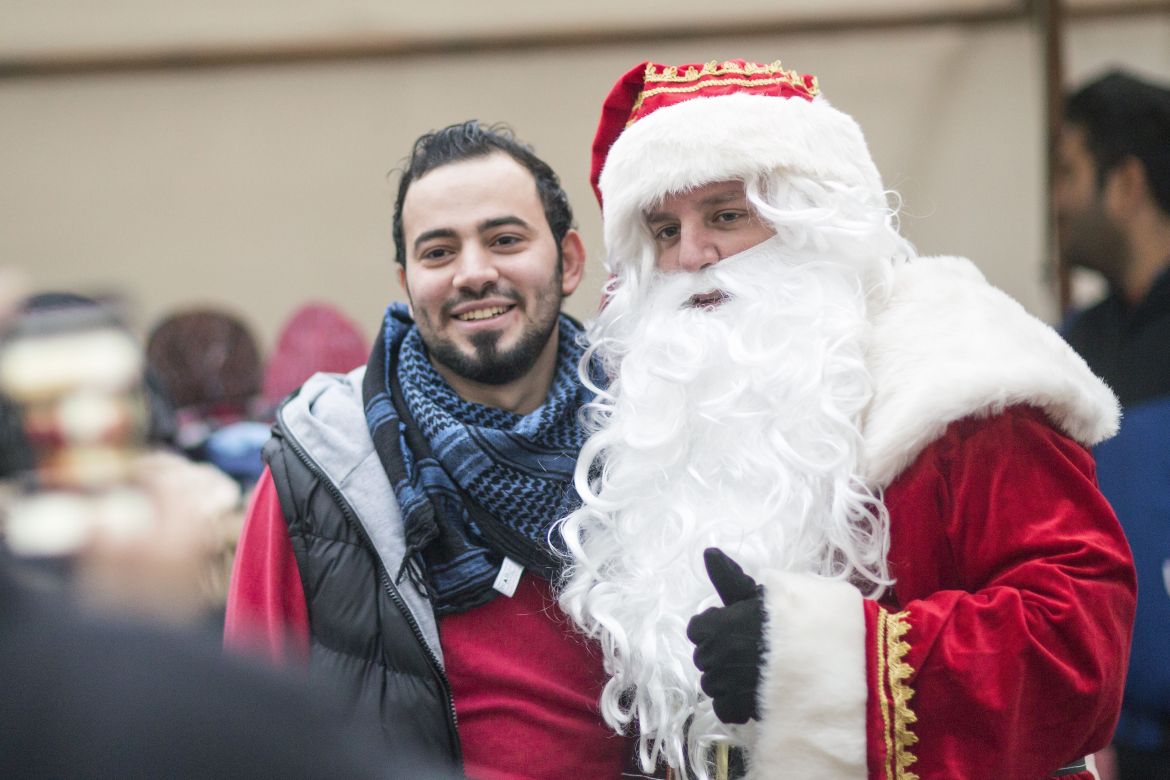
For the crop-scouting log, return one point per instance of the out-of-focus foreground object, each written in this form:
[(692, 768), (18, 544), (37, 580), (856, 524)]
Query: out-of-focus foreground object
[(88, 505)]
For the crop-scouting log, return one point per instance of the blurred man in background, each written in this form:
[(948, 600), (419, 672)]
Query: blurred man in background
[(1113, 207), (398, 542)]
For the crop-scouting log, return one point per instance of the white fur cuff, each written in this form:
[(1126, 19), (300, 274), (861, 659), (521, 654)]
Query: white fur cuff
[(813, 688)]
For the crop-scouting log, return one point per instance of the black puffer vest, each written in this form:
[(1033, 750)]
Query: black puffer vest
[(373, 641)]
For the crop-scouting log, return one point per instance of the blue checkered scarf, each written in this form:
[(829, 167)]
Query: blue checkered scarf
[(473, 483)]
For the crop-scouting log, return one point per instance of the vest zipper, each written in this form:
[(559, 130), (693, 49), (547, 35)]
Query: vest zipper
[(387, 582)]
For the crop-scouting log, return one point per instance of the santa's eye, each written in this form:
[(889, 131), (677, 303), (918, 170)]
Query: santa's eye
[(665, 232), (727, 217)]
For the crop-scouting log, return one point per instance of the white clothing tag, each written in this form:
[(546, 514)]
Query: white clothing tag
[(508, 578)]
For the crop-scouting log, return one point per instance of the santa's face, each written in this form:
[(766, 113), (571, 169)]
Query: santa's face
[(695, 229)]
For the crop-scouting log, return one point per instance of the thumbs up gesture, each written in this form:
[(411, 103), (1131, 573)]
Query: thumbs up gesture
[(729, 640)]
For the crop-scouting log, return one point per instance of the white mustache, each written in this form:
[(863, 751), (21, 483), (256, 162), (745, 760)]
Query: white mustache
[(725, 277)]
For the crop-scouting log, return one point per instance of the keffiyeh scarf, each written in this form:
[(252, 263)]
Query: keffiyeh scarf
[(474, 484)]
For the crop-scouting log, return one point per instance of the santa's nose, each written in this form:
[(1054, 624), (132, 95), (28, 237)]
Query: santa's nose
[(697, 250)]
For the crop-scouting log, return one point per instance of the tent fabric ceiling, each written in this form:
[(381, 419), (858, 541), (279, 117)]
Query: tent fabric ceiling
[(65, 35), (66, 27)]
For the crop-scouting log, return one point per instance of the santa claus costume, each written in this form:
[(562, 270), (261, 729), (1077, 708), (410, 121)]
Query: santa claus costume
[(892, 447)]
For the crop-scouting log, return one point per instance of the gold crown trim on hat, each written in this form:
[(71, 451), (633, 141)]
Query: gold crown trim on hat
[(716, 68), (785, 79), (670, 75)]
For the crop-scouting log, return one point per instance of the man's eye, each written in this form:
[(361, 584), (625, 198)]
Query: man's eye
[(666, 233), (730, 216), (507, 240), (435, 254)]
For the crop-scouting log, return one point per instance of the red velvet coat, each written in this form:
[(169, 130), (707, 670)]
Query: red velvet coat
[(1000, 652), (1009, 630)]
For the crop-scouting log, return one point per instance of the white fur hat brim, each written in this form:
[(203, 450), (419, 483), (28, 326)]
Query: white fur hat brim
[(737, 136)]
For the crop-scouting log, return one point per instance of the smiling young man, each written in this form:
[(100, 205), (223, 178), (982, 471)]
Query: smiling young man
[(398, 543), (893, 448), (473, 227)]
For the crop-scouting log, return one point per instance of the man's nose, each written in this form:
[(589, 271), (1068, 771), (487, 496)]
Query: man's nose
[(697, 249), (476, 271)]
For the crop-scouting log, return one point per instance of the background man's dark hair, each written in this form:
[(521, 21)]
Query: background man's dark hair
[(1125, 116), (470, 139)]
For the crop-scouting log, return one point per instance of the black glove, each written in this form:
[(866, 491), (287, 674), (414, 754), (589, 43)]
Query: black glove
[(729, 640)]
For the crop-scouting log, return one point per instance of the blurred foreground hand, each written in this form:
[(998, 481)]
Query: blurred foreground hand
[(172, 569)]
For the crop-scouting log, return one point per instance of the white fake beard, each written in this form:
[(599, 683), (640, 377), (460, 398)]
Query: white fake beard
[(735, 427)]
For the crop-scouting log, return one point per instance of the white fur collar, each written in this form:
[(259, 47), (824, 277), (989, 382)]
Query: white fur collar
[(948, 345)]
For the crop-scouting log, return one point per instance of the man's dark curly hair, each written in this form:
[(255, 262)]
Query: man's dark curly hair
[(471, 139)]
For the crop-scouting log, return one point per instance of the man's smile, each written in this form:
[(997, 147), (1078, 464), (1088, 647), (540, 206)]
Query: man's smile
[(484, 313), (484, 310)]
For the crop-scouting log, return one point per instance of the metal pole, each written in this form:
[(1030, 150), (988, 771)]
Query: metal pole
[(1049, 16)]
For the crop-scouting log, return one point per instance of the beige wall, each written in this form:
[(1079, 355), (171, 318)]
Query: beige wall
[(259, 187)]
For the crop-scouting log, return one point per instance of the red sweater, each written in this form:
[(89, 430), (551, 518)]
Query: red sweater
[(525, 684)]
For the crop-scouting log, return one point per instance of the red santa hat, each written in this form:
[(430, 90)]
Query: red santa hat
[(670, 129)]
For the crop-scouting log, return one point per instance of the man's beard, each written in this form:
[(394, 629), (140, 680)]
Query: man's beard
[(734, 426), (488, 364), (1091, 239)]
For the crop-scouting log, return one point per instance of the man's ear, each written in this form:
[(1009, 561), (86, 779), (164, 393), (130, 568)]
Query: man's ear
[(572, 262), (405, 289), (1127, 189)]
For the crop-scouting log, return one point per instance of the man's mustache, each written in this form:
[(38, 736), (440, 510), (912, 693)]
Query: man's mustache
[(491, 291)]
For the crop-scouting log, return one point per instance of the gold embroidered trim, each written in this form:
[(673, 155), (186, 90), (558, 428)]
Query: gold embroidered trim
[(714, 68), (670, 75), (894, 671), (883, 701)]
